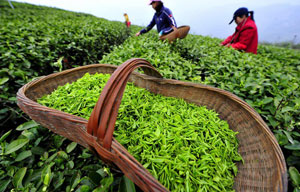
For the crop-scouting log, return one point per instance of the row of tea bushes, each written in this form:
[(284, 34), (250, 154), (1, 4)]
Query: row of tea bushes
[(160, 54), (37, 41), (263, 80)]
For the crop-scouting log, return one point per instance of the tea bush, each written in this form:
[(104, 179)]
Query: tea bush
[(37, 41)]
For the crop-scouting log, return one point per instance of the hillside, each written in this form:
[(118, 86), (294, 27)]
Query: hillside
[(37, 41)]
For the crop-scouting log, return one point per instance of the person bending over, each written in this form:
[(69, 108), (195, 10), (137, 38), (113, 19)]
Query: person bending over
[(163, 19), (245, 36)]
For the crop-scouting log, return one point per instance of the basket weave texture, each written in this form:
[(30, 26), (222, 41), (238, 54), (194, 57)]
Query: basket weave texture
[(264, 167), (181, 32)]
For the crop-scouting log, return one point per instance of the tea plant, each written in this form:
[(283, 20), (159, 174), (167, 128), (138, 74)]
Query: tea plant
[(37, 41), (38, 160)]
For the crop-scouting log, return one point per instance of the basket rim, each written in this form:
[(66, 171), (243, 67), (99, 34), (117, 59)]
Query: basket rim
[(181, 32), (280, 160)]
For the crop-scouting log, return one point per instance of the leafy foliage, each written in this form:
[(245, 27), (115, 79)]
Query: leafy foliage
[(37, 160), (37, 41), (158, 53), (267, 81)]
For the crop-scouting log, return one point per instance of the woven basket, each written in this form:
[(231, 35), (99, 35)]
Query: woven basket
[(264, 166), (181, 32)]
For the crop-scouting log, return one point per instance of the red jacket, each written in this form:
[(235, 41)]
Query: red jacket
[(245, 37)]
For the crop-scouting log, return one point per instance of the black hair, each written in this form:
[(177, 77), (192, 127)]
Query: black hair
[(252, 15), (247, 15), (159, 6), (243, 11)]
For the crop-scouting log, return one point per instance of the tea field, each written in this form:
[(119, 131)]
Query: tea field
[(37, 41)]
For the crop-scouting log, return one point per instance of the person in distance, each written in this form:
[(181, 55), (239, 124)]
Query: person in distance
[(163, 19), (245, 36), (127, 22)]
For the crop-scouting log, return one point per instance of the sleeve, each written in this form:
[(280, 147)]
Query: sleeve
[(227, 40), (244, 39), (170, 20), (149, 27)]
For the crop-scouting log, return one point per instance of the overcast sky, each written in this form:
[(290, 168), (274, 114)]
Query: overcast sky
[(205, 17)]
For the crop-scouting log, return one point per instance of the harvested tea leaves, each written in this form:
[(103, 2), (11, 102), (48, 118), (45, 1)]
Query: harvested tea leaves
[(185, 146)]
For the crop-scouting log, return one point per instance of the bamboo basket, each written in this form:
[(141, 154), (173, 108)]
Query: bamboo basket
[(181, 32), (264, 167)]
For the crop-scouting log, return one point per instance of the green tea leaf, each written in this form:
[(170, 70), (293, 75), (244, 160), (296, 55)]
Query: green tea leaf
[(70, 164), (4, 184), (15, 145), (105, 184), (46, 175), (126, 185), (267, 100), (71, 147), (23, 155), (27, 125), (58, 140), (18, 177), (293, 147), (3, 80), (75, 181), (62, 154), (84, 188), (291, 140), (46, 180), (37, 150), (295, 176), (286, 109), (5, 135), (296, 134)]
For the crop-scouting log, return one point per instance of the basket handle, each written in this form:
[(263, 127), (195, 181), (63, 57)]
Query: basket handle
[(104, 115)]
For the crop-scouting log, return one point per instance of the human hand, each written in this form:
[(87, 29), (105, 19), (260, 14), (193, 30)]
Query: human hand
[(138, 34)]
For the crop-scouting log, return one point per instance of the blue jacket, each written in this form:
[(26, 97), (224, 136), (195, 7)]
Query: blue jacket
[(163, 20)]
